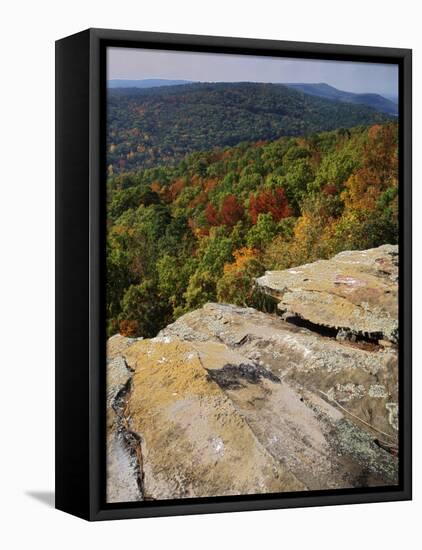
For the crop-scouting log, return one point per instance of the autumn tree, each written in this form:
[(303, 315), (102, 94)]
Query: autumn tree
[(212, 214), (273, 202), (231, 211), (236, 286)]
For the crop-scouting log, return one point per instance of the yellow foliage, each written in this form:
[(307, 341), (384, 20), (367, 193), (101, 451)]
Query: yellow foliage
[(241, 257)]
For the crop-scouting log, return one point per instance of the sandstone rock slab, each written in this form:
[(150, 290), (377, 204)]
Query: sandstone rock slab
[(194, 441), (354, 293), (233, 401), (329, 393)]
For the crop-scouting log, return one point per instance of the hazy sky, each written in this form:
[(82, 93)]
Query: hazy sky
[(137, 64)]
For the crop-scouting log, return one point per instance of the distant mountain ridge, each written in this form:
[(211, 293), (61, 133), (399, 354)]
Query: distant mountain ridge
[(380, 103), (376, 101), (145, 83), (148, 127)]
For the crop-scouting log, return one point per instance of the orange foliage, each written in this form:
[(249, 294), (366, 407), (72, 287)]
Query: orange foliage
[(379, 170), (374, 131), (241, 257), (128, 328), (155, 187), (209, 185), (175, 188)]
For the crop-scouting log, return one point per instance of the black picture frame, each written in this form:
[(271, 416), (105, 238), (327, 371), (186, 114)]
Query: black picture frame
[(80, 259)]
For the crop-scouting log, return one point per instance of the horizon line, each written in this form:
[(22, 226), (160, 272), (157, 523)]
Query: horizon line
[(187, 81)]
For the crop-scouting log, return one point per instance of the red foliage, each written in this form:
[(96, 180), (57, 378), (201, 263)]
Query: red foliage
[(231, 211), (175, 188), (330, 189), (212, 215), (274, 202)]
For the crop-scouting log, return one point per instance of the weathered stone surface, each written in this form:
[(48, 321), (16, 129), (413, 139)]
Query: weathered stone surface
[(122, 464), (229, 400), (194, 441), (355, 293), (324, 385)]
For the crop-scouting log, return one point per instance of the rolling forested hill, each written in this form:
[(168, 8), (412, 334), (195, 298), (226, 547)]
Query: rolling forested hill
[(144, 83), (159, 126), (180, 236), (376, 101)]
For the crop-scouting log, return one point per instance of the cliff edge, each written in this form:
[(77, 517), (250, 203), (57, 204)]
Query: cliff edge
[(234, 401)]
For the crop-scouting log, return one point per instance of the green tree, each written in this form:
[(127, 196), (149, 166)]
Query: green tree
[(262, 232), (144, 305)]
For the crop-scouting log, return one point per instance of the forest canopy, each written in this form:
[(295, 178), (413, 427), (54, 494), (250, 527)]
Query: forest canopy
[(181, 235), (159, 126)]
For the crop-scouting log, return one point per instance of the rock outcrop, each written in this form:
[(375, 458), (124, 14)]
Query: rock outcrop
[(123, 468), (233, 401), (355, 293)]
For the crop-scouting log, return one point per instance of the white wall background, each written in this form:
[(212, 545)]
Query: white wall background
[(28, 31)]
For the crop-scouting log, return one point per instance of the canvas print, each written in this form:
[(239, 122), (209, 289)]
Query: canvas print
[(252, 275)]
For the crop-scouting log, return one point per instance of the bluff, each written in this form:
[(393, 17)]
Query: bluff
[(232, 401)]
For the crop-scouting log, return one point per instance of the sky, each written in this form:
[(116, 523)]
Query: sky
[(139, 64)]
